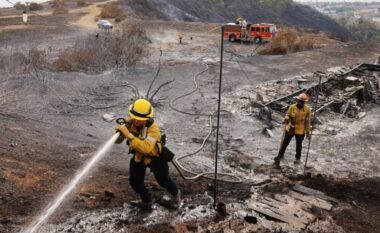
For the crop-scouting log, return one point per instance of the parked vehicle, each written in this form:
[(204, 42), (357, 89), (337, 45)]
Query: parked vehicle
[(104, 24), (257, 33)]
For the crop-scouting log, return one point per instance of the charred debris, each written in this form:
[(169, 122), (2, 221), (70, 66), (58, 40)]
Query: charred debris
[(344, 92)]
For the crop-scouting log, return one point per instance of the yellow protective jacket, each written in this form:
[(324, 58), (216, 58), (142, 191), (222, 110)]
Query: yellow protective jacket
[(299, 119), (144, 143)]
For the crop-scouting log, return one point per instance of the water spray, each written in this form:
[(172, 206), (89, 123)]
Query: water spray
[(50, 209)]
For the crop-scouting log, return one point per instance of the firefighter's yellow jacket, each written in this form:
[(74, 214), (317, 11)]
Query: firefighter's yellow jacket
[(299, 119), (144, 142)]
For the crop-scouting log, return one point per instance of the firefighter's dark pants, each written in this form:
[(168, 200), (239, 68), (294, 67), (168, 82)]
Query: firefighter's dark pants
[(160, 170), (287, 138)]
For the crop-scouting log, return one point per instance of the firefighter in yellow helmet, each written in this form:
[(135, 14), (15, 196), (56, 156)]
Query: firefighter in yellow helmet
[(297, 123), (180, 37), (239, 20), (143, 137)]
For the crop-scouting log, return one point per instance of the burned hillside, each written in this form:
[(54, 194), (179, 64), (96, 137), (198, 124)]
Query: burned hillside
[(285, 12)]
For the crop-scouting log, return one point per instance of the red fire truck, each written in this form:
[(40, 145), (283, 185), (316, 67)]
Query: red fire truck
[(257, 33)]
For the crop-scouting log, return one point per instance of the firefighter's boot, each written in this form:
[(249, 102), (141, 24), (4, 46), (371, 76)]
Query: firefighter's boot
[(277, 162), (297, 162), (176, 200), (147, 206)]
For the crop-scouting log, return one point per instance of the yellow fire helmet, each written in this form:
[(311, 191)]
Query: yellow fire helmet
[(141, 110), (303, 97)]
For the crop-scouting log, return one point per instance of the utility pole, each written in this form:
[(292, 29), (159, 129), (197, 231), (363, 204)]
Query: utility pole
[(218, 120)]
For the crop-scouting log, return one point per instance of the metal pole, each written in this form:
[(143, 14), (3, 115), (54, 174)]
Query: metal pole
[(314, 116), (218, 120)]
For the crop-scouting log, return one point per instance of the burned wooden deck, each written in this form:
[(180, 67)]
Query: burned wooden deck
[(294, 207)]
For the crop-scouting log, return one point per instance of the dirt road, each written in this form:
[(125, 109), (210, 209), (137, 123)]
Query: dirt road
[(13, 27), (89, 20)]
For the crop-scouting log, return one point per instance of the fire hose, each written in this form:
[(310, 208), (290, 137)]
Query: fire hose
[(180, 168)]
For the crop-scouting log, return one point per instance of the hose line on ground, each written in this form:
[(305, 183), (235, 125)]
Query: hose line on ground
[(171, 104), (176, 163)]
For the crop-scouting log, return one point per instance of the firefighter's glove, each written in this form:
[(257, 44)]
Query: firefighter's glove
[(124, 130), (292, 130), (115, 132), (121, 137)]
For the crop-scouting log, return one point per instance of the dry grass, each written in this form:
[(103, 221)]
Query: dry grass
[(23, 181), (19, 6), (63, 62), (56, 3), (81, 3), (59, 7), (14, 63), (92, 53), (96, 53), (59, 10), (291, 41), (17, 63), (113, 11), (23, 177), (37, 59)]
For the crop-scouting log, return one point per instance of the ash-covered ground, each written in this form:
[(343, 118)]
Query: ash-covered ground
[(51, 124)]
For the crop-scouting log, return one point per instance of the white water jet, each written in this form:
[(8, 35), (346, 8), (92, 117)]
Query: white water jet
[(70, 187)]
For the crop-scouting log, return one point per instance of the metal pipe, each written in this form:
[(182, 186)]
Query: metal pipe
[(218, 119), (282, 139)]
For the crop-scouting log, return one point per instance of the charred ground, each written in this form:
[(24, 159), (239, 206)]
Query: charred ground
[(49, 129)]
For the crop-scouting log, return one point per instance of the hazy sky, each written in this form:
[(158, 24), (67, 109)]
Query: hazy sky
[(337, 0), (4, 3)]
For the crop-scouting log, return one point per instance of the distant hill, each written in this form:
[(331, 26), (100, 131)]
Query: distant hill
[(285, 12)]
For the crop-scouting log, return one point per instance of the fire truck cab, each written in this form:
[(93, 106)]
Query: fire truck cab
[(257, 33)]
